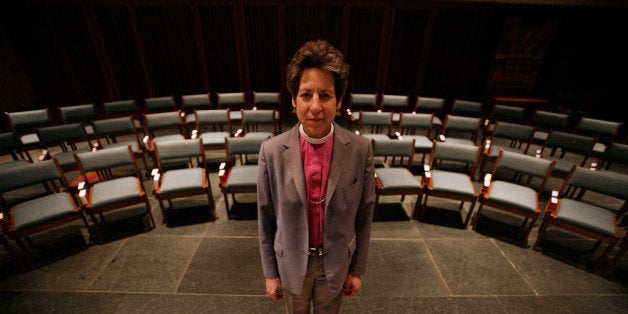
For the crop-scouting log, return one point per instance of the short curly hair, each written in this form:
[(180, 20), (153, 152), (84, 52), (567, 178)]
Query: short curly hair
[(318, 54)]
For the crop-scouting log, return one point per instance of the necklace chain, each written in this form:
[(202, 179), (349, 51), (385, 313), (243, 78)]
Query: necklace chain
[(315, 202)]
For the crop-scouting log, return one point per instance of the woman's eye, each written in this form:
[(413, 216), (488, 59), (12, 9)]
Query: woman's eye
[(306, 95)]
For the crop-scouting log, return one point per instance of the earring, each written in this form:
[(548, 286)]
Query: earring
[(294, 110)]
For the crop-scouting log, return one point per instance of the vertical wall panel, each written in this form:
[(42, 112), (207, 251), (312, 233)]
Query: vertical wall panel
[(218, 38), (405, 53), (364, 41), (167, 32), (114, 25), (263, 48), (308, 23)]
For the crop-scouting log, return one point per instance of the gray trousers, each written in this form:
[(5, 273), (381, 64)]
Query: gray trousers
[(315, 291)]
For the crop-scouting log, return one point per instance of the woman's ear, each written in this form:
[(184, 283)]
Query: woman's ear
[(339, 105)]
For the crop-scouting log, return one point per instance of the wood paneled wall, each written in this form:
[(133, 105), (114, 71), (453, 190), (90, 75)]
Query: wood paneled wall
[(83, 51)]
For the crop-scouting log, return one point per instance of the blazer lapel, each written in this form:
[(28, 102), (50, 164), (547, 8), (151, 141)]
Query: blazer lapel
[(342, 148), (294, 162)]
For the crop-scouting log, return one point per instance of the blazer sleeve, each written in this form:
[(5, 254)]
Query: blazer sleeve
[(267, 226)]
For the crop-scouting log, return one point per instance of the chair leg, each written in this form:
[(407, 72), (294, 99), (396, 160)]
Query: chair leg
[(163, 212), (226, 198), (149, 210), (611, 266), (602, 257), (212, 206), (539, 237), (423, 207), (524, 241), (27, 253), (476, 217), (468, 218)]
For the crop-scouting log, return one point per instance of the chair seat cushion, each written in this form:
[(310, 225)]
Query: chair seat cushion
[(495, 150), (562, 166), (396, 117), (260, 135), (30, 139), (599, 148), (114, 191), (397, 178), (235, 115), (182, 180), (437, 122), (214, 138), (42, 210), (540, 136), (243, 177), (421, 142), (587, 216), (452, 183), (514, 195), (13, 163)]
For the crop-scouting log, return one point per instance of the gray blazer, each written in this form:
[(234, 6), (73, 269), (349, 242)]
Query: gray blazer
[(282, 209)]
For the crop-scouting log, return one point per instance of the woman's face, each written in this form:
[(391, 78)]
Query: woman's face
[(315, 102)]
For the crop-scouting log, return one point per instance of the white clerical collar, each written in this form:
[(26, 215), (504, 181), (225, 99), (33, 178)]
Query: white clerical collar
[(316, 141)]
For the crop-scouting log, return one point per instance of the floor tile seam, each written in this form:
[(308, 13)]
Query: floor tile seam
[(512, 264), (187, 266), (438, 270), (104, 266)]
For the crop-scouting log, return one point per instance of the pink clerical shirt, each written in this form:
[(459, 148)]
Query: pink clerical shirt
[(316, 157)]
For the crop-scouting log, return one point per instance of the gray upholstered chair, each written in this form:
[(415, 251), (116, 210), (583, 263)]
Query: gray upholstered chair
[(80, 113), (568, 149), (118, 182), (360, 102), (47, 205), (124, 108), (160, 104), (25, 123), (187, 181), (615, 153), (117, 132), (375, 125), (240, 173), (394, 176), (418, 127), (605, 132), (191, 103), (62, 142), (213, 126), (164, 126), (546, 121), (395, 104), (432, 105), (506, 113), (588, 217), (259, 122), (462, 130), (450, 175), (467, 108), (514, 186), (269, 100), (509, 136), (235, 102), (10, 146)]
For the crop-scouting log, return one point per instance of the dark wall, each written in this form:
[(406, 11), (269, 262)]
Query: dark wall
[(75, 52)]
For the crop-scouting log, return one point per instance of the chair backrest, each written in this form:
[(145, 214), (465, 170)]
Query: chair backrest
[(467, 108), (455, 153), (396, 103), (241, 146), (413, 123), (114, 127), (105, 159), (214, 119), (615, 152), (233, 101), (507, 113), (266, 100), (518, 135), (10, 145), (63, 135), (163, 121), (366, 102), (464, 127), (522, 164), (79, 113), (431, 105), (121, 108), (253, 119), (569, 142), (603, 182), (547, 120), (180, 149), (23, 122), (159, 104), (602, 130), (189, 103), (29, 174), (401, 151)]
